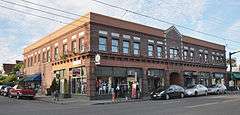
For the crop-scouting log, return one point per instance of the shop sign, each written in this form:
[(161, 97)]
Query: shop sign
[(97, 59), (78, 62)]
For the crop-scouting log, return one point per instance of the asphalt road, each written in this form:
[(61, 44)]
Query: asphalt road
[(205, 105)]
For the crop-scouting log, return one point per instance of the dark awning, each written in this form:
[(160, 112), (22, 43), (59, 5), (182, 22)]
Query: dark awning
[(31, 78), (235, 75)]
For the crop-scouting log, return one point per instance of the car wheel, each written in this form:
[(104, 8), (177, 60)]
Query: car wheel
[(18, 97), (182, 95), (167, 97), (196, 94), (206, 93), (218, 92)]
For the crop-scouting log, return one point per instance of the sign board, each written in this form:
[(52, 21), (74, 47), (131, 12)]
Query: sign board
[(77, 62), (97, 59)]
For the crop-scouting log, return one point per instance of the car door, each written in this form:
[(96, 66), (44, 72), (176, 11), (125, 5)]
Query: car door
[(171, 91), (200, 89)]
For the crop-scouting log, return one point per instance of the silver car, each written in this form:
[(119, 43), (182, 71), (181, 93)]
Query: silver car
[(217, 89), (196, 90)]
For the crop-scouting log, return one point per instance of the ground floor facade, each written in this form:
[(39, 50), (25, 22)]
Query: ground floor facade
[(82, 76)]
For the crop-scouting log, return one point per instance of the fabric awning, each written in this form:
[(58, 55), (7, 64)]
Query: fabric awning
[(31, 78)]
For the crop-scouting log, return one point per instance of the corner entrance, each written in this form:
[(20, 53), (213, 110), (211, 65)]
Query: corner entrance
[(175, 79)]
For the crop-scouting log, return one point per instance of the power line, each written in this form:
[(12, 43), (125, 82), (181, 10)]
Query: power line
[(52, 8), (37, 9), (170, 23)]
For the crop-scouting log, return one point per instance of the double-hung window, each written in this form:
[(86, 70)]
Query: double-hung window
[(150, 50), (56, 53), (125, 47), (74, 46), (48, 56), (185, 53), (159, 51), (102, 46), (115, 45), (136, 48), (173, 53), (65, 49)]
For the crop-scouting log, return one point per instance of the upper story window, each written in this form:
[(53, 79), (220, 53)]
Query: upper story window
[(136, 48), (159, 51), (65, 49), (102, 46), (173, 53), (200, 56), (150, 50), (74, 46), (35, 58), (191, 55), (48, 56), (125, 47), (39, 57), (206, 57), (81, 46), (185, 54), (213, 58), (114, 45), (56, 53), (44, 56)]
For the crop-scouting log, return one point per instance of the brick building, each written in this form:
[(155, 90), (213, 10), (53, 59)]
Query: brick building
[(97, 52)]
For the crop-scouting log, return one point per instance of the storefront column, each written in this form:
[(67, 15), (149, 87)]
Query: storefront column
[(144, 83), (91, 81)]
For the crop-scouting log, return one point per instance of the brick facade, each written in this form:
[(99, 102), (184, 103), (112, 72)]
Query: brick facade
[(91, 28)]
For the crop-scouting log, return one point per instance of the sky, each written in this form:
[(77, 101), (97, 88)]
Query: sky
[(217, 17)]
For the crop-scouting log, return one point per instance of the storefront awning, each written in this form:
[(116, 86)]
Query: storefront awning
[(235, 75), (31, 78)]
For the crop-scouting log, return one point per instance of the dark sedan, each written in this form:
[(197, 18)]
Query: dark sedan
[(173, 91)]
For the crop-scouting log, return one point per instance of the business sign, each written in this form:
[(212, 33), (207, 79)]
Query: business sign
[(97, 59)]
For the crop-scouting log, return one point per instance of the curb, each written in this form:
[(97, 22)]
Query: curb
[(118, 102)]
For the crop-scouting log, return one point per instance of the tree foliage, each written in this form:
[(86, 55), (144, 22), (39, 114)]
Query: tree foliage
[(234, 62)]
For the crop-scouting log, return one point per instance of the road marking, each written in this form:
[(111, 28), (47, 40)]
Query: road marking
[(200, 105)]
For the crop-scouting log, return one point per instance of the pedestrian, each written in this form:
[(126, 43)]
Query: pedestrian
[(56, 95)]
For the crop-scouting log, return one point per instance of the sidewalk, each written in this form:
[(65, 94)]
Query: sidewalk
[(64, 101)]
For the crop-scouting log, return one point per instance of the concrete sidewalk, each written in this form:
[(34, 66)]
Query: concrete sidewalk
[(78, 100)]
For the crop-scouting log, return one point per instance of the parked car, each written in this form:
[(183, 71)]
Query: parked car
[(2, 88), (196, 90), (6, 91), (173, 91), (19, 91), (217, 89)]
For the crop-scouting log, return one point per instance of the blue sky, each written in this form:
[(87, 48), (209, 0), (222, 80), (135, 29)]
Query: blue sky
[(218, 17)]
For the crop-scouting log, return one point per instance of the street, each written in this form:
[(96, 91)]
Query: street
[(208, 105)]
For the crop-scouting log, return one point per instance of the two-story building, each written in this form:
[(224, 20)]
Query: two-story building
[(94, 53)]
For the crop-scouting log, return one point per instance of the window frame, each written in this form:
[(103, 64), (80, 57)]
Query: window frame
[(104, 45)]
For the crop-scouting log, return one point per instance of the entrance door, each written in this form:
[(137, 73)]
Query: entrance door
[(175, 79), (76, 85)]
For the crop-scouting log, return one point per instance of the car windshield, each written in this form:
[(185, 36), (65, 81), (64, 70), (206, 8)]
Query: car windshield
[(213, 86)]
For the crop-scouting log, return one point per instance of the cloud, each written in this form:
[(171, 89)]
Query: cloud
[(26, 29)]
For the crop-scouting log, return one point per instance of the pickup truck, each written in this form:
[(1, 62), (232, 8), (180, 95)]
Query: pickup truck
[(21, 91)]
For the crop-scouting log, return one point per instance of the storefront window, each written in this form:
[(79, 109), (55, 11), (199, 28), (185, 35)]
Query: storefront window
[(79, 81)]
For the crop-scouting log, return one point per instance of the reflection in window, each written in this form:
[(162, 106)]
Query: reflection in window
[(114, 45)]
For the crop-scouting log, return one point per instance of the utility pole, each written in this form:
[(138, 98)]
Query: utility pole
[(230, 64)]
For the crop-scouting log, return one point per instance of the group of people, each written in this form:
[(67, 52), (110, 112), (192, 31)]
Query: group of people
[(128, 90)]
